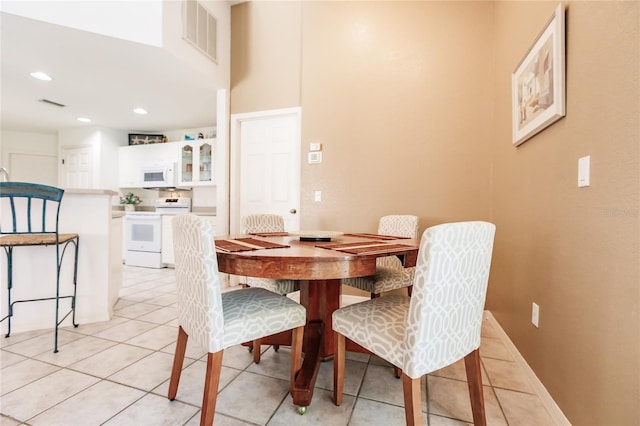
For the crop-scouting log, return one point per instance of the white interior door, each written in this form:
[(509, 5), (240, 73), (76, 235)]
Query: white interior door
[(265, 175), (77, 167)]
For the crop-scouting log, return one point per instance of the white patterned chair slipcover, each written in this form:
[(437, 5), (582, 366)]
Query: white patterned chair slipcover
[(435, 327), (390, 274), (268, 223), (218, 320)]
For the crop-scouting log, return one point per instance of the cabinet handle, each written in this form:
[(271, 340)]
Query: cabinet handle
[(293, 211)]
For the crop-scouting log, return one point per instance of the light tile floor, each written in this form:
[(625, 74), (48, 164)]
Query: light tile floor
[(116, 373)]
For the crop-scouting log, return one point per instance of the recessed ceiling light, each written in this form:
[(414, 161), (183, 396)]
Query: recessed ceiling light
[(84, 119), (141, 111), (41, 76)]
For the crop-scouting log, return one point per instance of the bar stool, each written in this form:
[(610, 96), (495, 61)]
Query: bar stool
[(30, 225)]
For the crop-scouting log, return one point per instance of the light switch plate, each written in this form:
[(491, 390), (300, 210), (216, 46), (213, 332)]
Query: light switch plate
[(315, 157), (584, 171), (315, 146)]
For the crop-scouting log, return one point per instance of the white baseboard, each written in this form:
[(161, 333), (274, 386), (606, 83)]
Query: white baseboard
[(552, 408)]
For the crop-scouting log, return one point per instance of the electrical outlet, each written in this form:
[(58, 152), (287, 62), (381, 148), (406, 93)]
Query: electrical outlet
[(317, 196), (535, 314)]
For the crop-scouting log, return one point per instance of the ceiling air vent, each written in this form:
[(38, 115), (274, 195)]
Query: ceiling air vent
[(199, 27), (47, 101)]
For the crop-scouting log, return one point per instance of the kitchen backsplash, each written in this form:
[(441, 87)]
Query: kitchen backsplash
[(202, 199)]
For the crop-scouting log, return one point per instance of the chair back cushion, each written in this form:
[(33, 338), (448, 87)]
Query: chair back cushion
[(449, 292), (263, 223), (399, 225), (198, 281)]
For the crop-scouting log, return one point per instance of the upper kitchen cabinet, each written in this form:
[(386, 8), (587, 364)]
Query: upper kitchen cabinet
[(131, 160), (196, 163)]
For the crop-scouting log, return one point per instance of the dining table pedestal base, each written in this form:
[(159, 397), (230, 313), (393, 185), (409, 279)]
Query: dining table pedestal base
[(321, 298)]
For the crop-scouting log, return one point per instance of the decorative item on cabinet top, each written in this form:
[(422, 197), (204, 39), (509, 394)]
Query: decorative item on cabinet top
[(142, 139)]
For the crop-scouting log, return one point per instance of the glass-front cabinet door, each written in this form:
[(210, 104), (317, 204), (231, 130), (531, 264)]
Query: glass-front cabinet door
[(186, 163), (204, 163), (196, 163)]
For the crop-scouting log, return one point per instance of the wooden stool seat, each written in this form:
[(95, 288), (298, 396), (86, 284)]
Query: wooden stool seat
[(34, 239)]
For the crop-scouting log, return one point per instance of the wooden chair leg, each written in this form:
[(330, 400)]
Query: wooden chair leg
[(211, 382), (178, 360), (412, 400), (256, 351), (375, 295), (474, 381), (338, 367), (296, 354), (397, 371)]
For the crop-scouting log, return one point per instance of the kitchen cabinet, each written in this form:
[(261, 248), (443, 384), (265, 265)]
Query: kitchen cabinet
[(168, 257), (132, 158), (196, 163), (167, 240)]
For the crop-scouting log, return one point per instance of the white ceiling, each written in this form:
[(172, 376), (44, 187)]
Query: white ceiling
[(97, 77)]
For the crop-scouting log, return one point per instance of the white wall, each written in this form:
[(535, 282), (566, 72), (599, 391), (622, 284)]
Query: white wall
[(41, 147), (173, 42), (110, 141), (179, 135), (138, 21), (105, 143)]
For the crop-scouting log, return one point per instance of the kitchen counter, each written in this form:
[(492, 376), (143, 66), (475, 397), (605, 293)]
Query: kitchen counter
[(87, 212), (89, 191)]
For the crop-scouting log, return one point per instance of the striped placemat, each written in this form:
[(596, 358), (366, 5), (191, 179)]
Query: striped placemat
[(376, 236), (373, 249), (244, 244), (270, 234), (337, 246)]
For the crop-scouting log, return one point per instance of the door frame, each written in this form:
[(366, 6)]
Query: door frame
[(234, 175)]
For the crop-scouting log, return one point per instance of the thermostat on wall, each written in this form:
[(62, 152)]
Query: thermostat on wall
[(315, 157)]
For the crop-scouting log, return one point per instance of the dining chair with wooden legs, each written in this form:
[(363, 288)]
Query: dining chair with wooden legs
[(390, 273), (437, 326), (266, 223), (217, 320)]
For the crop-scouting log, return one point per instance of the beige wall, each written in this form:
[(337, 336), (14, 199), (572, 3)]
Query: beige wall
[(411, 101), (265, 56), (574, 251), (404, 119)]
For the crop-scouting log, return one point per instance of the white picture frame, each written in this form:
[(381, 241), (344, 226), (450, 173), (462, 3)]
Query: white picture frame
[(538, 83)]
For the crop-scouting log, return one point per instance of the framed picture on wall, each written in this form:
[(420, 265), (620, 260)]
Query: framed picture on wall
[(538, 83), (142, 139)]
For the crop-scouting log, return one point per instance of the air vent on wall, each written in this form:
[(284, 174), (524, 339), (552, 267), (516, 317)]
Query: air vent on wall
[(199, 28), (47, 101)]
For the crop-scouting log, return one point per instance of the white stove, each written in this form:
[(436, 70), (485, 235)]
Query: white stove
[(173, 205), (143, 232)]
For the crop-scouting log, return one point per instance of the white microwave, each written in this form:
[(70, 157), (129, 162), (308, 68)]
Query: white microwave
[(159, 175)]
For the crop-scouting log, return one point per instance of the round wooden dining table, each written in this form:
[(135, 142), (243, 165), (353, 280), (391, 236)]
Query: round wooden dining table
[(319, 265)]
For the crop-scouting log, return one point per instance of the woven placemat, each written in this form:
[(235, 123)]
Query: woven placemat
[(245, 244), (376, 236)]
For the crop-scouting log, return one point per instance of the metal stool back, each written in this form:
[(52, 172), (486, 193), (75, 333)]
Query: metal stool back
[(37, 228)]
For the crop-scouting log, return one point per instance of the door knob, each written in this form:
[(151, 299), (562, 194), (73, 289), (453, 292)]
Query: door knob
[(293, 211)]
